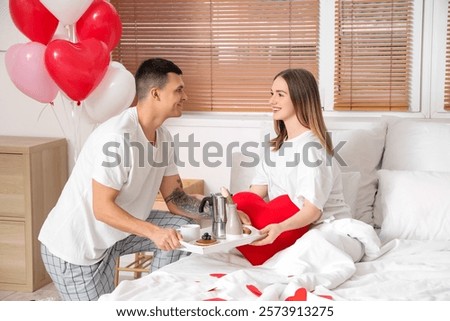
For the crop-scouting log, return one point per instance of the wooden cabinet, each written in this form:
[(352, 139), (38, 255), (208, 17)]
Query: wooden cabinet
[(33, 171), (190, 186)]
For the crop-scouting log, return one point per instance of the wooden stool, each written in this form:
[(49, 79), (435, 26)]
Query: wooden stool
[(140, 264)]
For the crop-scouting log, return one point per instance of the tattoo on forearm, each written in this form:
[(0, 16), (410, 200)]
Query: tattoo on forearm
[(185, 202)]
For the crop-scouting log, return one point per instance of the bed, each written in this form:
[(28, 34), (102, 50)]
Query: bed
[(396, 181), (405, 270)]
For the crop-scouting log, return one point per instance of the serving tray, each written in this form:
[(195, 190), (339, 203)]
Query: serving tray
[(222, 245)]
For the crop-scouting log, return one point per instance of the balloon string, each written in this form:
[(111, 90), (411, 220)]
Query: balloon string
[(71, 33), (73, 138), (59, 123), (42, 110), (54, 113), (64, 111), (76, 118)]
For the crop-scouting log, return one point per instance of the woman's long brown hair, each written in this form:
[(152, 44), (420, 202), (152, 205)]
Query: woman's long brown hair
[(305, 97)]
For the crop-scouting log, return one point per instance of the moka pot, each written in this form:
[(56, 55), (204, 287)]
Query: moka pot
[(217, 209)]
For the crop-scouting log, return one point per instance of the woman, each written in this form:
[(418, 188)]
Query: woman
[(300, 162)]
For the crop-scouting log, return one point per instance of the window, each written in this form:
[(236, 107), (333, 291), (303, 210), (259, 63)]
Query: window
[(368, 55), (229, 50), (373, 54)]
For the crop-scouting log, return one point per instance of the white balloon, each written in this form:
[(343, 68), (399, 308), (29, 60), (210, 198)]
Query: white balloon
[(67, 11), (114, 94), (117, 64)]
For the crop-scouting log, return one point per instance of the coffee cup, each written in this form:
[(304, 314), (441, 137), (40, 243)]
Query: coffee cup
[(190, 232)]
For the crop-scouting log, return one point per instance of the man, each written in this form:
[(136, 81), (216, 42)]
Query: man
[(103, 211)]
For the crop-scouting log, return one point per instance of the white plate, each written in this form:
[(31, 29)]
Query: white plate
[(222, 245)]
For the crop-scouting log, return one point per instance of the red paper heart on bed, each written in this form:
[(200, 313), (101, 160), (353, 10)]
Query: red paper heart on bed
[(299, 295), (263, 213), (254, 290), (217, 275)]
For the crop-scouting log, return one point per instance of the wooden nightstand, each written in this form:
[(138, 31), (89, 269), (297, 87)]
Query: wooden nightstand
[(33, 171)]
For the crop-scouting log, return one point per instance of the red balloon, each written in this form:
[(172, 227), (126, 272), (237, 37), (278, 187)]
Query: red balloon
[(102, 22), (33, 20), (77, 68)]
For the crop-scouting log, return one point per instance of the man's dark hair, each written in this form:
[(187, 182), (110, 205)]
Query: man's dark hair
[(153, 73)]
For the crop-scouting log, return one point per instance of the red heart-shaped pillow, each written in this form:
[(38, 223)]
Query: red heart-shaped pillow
[(263, 213)]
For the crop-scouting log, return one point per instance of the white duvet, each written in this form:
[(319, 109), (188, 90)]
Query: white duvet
[(314, 267), (405, 270)]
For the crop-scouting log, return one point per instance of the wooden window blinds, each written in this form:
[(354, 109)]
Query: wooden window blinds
[(373, 54), (229, 50)]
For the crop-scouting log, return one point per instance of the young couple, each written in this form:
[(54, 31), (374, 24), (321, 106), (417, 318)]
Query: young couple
[(103, 211)]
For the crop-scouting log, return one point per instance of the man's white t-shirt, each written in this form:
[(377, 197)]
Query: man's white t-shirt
[(303, 170), (117, 154)]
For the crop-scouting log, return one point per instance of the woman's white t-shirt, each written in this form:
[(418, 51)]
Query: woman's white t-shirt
[(302, 169), (117, 154)]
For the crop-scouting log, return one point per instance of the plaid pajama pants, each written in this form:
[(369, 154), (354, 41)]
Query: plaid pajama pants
[(89, 282)]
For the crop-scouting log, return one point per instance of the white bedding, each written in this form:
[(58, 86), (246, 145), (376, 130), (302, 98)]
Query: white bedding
[(405, 270), (400, 270)]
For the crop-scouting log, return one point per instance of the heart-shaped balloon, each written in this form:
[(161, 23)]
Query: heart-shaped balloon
[(100, 21), (67, 11), (77, 68), (26, 68), (114, 94), (262, 214), (33, 19)]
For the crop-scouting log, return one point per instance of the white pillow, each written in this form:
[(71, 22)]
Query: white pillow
[(417, 145), (361, 151), (414, 205), (350, 186), (242, 172)]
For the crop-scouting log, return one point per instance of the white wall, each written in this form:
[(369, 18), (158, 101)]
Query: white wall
[(233, 134)]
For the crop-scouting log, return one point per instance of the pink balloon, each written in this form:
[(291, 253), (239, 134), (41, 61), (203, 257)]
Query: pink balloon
[(26, 68)]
